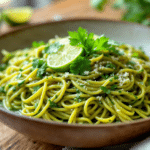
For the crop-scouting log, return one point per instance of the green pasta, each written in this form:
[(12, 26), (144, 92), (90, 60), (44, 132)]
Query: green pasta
[(111, 86)]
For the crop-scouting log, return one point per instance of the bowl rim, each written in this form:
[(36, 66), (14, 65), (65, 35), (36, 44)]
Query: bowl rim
[(65, 124)]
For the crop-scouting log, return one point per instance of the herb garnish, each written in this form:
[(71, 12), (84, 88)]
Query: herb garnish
[(52, 104), (80, 65), (105, 89), (2, 89), (90, 46), (2, 67), (36, 88), (21, 82), (41, 65), (36, 44), (113, 87), (53, 48), (19, 76)]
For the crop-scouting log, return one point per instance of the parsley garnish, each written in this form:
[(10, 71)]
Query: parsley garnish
[(19, 75), (119, 91), (115, 77), (26, 54), (21, 82), (141, 71), (2, 89), (53, 48), (105, 76), (52, 104), (105, 89), (9, 85), (80, 65), (14, 88), (77, 91), (2, 67), (110, 65), (41, 65), (36, 105), (36, 44), (135, 54), (90, 46), (20, 69), (36, 88), (113, 87), (78, 99)]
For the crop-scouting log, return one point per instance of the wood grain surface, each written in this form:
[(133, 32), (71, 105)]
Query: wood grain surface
[(61, 9)]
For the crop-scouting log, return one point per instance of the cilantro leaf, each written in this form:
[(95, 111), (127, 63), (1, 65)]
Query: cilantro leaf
[(36, 88), (36, 44), (113, 87), (53, 48), (81, 38), (2, 67), (105, 89), (42, 70), (19, 75), (110, 65), (101, 44), (2, 89), (80, 65), (41, 65), (21, 82), (52, 104)]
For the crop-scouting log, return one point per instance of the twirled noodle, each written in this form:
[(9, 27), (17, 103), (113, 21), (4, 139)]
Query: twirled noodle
[(104, 95)]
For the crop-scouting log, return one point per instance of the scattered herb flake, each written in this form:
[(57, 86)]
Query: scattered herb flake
[(113, 87), (105, 89), (2, 89), (9, 85), (36, 88), (20, 69), (52, 104), (21, 82), (19, 75)]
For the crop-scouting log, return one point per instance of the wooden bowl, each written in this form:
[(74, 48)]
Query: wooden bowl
[(76, 135)]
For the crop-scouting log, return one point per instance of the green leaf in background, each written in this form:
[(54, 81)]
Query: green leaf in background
[(134, 10), (98, 4)]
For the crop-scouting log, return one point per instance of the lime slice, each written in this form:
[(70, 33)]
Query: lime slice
[(61, 60), (17, 16)]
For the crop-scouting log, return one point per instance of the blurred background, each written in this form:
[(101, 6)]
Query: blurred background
[(17, 13)]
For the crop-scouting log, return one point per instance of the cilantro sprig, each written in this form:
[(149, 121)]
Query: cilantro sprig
[(91, 46), (41, 65), (80, 65), (52, 104)]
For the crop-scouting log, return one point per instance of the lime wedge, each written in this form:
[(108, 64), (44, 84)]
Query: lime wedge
[(17, 16), (61, 60)]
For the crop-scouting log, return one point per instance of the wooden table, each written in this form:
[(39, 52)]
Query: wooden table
[(60, 9)]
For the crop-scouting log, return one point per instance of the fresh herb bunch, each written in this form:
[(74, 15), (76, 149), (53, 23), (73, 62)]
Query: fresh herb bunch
[(91, 46), (135, 10)]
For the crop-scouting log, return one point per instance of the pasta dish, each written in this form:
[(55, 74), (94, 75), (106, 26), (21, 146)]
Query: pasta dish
[(81, 78)]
